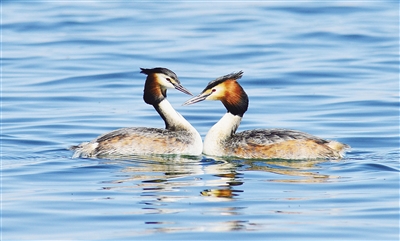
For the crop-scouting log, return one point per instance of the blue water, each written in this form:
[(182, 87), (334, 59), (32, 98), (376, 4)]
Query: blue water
[(70, 72)]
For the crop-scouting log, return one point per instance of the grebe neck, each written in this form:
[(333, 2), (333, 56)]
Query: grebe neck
[(173, 120), (176, 122), (222, 130)]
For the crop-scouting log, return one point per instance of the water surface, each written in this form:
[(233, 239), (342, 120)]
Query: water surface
[(71, 73)]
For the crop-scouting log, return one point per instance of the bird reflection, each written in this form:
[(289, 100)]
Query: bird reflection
[(222, 193), (219, 177), (165, 185)]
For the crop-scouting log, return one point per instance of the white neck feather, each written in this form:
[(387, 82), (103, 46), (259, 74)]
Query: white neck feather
[(223, 129), (175, 121), (172, 118)]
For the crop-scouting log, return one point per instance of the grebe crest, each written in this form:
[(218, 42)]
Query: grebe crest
[(178, 137), (222, 139)]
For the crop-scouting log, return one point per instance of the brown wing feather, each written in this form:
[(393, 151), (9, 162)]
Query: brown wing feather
[(279, 144), (141, 140)]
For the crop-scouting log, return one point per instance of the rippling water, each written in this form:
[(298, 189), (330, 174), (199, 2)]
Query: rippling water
[(71, 72)]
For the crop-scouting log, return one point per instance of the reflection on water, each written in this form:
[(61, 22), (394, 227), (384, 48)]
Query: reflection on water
[(235, 225), (168, 185), (164, 184), (303, 170), (157, 175)]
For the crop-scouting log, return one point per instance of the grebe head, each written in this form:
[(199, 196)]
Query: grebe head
[(157, 82), (228, 91)]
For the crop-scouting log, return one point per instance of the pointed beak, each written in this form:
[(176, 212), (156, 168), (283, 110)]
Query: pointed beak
[(196, 99), (182, 89)]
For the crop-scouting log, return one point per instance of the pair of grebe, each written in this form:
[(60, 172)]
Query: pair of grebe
[(180, 137)]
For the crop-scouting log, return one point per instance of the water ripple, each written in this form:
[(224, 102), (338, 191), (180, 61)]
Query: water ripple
[(71, 72)]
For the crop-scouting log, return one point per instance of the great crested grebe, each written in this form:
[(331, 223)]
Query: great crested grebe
[(221, 139), (178, 137)]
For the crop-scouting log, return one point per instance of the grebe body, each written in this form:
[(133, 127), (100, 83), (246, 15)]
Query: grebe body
[(178, 137), (222, 139)]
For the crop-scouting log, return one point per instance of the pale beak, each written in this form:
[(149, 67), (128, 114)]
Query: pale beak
[(196, 99), (182, 89)]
